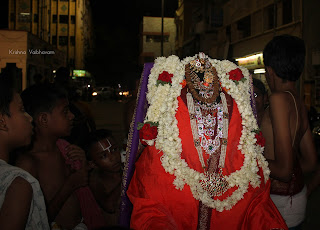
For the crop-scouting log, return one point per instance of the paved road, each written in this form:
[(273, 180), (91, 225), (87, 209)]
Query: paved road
[(110, 115)]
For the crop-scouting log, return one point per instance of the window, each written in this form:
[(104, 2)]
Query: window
[(71, 62), (157, 38), (12, 17), (228, 31), (216, 17), (35, 18), (72, 40), (64, 19), (54, 18), (269, 17), (244, 27), (63, 40), (24, 17), (73, 19), (54, 40), (287, 12)]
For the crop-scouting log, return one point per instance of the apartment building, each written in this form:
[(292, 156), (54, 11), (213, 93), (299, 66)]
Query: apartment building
[(66, 24), (151, 35), (239, 30)]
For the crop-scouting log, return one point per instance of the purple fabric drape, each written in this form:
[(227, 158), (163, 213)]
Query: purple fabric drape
[(132, 146), (252, 99)]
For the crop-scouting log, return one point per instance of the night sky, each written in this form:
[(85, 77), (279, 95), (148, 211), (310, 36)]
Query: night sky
[(116, 26)]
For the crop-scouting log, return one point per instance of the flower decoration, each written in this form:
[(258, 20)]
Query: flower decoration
[(183, 83), (165, 78), (163, 90), (260, 139), (147, 132), (236, 75)]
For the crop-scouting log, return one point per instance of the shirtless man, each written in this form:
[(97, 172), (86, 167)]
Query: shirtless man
[(48, 105), (289, 145)]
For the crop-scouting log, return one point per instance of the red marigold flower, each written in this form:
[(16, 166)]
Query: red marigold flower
[(183, 83), (165, 77), (236, 74), (260, 139), (147, 132)]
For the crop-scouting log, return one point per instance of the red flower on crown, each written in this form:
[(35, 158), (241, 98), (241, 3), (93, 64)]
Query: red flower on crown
[(236, 75), (165, 77), (260, 139)]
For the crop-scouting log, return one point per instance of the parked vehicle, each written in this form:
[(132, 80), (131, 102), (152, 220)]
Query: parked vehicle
[(103, 93)]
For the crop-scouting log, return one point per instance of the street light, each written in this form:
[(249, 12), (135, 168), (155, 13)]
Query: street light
[(162, 10)]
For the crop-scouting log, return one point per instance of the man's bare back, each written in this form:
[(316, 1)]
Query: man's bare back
[(284, 113)]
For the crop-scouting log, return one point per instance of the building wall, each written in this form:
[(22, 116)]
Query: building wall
[(151, 38), (65, 24), (253, 23), (186, 26), (30, 54), (247, 27), (311, 35)]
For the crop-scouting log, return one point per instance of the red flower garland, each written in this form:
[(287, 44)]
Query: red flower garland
[(260, 139)]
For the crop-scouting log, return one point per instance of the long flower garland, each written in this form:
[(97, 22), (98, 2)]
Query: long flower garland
[(163, 103)]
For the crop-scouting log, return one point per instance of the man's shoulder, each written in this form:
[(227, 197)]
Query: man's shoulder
[(26, 158), (27, 161), (280, 100)]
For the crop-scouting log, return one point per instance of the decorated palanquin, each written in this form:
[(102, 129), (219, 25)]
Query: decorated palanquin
[(202, 167)]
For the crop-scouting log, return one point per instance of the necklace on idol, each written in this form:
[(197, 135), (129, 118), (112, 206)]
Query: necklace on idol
[(209, 123)]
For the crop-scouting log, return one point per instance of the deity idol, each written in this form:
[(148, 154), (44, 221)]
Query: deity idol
[(203, 165)]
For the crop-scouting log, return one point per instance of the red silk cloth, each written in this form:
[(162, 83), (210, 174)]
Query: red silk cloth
[(157, 204)]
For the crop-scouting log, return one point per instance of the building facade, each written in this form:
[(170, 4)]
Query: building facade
[(239, 30), (151, 35), (25, 55), (66, 24)]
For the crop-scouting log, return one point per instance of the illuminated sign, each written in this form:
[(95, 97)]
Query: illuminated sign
[(252, 61), (79, 73)]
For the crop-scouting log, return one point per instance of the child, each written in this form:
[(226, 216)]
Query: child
[(49, 107), (289, 145), (260, 96), (22, 203), (105, 178)]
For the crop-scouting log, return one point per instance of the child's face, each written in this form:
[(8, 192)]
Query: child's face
[(60, 120), (105, 155), (259, 98), (19, 123)]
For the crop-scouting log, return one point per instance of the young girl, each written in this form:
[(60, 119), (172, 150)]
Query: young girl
[(105, 178), (22, 204)]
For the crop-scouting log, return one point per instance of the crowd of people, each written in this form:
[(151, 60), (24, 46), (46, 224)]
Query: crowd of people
[(217, 149)]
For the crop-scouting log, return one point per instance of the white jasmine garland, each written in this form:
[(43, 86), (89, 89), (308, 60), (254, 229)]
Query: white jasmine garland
[(163, 106)]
